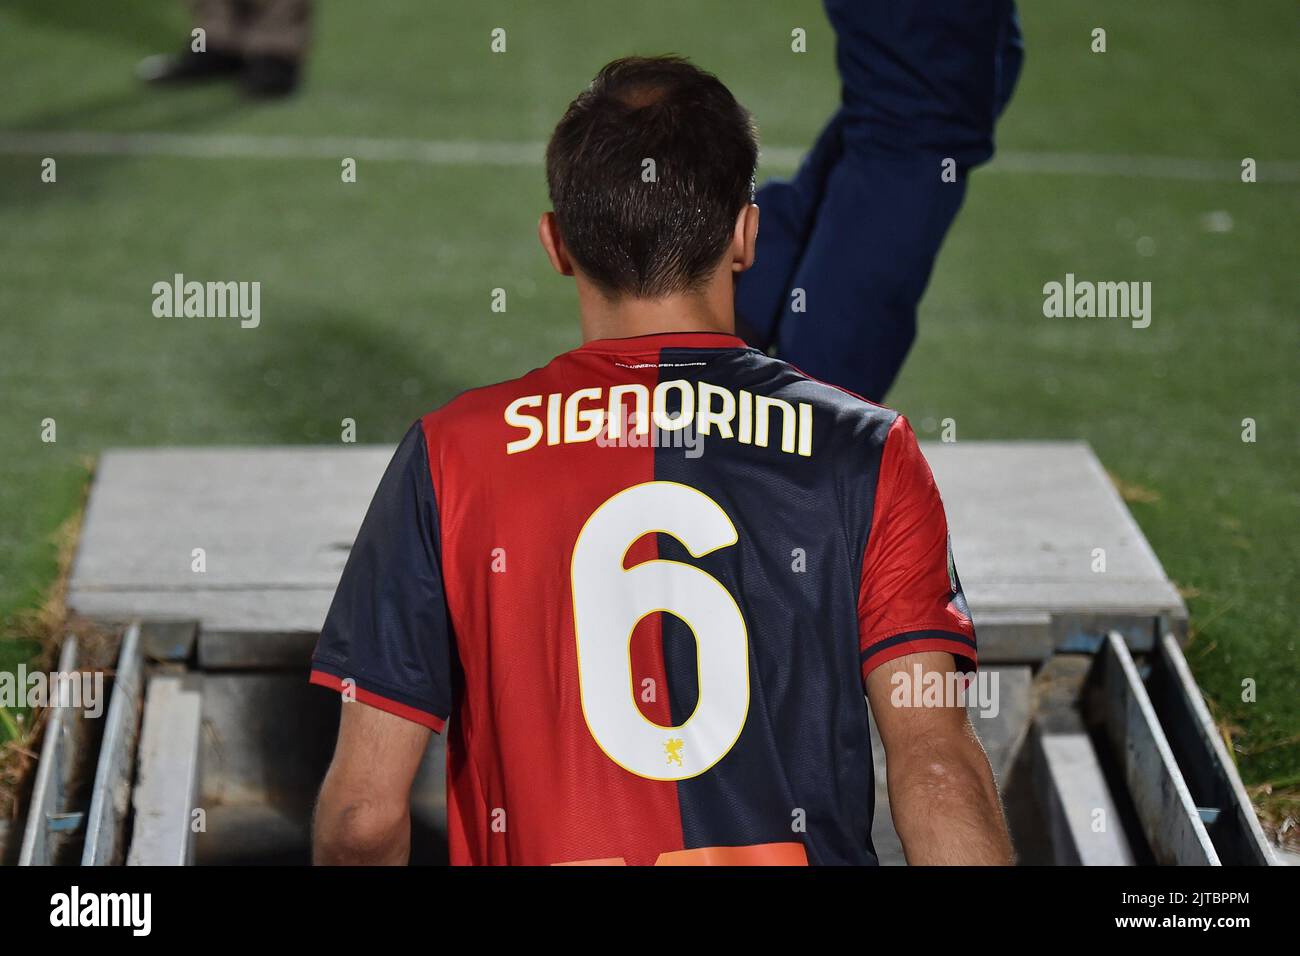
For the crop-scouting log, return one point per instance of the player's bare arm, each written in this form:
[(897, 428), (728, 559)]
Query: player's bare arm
[(941, 790), (363, 816)]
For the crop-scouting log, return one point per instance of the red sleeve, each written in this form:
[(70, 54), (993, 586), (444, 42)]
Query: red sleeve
[(910, 599)]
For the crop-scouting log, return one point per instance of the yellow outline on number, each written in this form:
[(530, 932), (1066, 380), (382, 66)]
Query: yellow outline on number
[(735, 539)]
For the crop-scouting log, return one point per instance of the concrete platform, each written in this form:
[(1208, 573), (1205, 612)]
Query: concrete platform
[(276, 525), (1027, 519)]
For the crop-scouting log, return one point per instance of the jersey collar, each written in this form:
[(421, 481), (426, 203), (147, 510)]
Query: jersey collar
[(665, 340)]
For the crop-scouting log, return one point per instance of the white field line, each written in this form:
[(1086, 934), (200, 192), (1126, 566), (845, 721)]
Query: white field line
[(500, 153)]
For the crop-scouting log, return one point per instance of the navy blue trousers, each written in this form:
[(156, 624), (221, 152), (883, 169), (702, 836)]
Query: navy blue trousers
[(846, 247)]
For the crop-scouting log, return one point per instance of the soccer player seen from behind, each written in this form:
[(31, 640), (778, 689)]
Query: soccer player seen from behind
[(644, 588)]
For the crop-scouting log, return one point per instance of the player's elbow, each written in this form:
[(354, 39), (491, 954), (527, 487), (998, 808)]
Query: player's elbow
[(360, 830)]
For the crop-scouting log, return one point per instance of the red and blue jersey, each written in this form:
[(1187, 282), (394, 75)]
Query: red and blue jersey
[(640, 590)]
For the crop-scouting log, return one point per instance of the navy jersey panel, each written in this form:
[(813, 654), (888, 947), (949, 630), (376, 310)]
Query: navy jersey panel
[(802, 767), (388, 628)]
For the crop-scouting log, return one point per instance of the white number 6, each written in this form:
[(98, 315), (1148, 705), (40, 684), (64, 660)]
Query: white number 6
[(608, 601)]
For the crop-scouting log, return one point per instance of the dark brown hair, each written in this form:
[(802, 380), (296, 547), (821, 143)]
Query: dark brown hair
[(631, 233)]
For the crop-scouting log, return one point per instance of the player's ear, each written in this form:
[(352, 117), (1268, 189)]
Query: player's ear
[(744, 238), (549, 233)]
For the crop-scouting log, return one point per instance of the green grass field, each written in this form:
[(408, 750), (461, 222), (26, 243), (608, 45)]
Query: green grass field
[(376, 296)]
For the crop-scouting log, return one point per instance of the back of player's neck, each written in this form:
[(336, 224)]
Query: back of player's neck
[(628, 316)]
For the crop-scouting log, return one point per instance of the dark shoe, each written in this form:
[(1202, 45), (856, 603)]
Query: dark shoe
[(188, 67), (267, 77)]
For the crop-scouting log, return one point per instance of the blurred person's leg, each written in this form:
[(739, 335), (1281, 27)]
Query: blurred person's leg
[(263, 41), (787, 212), (220, 57), (276, 36), (921, 82), (1011, 57), (864, 268), (929, 76), (222, 21)]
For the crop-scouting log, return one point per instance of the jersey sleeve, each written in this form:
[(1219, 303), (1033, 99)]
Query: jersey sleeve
[(387, 638), (910, 598)]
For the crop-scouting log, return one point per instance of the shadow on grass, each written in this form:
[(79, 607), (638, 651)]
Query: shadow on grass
[(306, 370)]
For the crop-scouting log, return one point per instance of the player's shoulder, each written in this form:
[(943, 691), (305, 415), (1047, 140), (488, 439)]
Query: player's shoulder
[(848, 415), (477, 406)]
